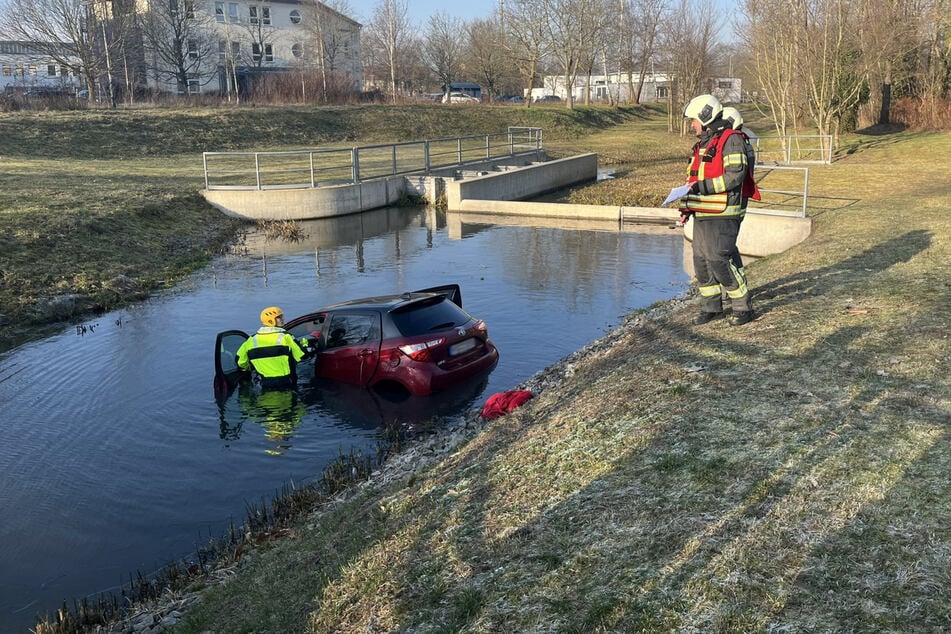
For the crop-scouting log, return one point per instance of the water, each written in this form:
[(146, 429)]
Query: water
[(116, 458)]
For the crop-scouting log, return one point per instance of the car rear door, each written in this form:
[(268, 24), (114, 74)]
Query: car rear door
[(227, 372), (351, 351)]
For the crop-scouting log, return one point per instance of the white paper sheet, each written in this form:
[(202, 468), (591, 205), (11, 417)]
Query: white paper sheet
[(677, 193)]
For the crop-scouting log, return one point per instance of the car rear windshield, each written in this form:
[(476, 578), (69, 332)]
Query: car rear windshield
[(428, 316)]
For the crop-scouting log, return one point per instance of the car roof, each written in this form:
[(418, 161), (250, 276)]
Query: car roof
[(382, 302)]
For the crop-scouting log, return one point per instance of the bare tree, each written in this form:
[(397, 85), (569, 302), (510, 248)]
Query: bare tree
[(570, 29), (179, 42), (690, 51), (388, 32), (934, 80), (525, 41), (646, 17), (443, 47), (486, 54), (60, 29), (331, 36), (887, 37), (770, 35)]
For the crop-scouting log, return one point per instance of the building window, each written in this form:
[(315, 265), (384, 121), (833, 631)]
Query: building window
[(51, 70), (266, 15), (219, 12), (236, 50), (192, 49), (725, 85), (295, 17), (222, 47), (233, 12), (256, 52), (253, 14), (189, 9), (297, 50), (7, 71), (662, 92), (194, 87), (32, 69)]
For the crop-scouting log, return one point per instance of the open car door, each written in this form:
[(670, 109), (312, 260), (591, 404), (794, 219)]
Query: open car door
[(451, 291), (227, 372)]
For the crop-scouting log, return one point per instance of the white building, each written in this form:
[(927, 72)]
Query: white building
[(250, 39), (24, 67), (655, 89)]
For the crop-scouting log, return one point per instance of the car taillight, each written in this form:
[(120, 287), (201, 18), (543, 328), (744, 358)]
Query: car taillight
[(480, 327), (420, 351)]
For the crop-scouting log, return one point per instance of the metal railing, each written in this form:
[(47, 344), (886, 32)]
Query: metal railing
[(300, 169), (782, 188), (794, 148)]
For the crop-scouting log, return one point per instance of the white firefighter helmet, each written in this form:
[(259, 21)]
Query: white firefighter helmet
[(704, 108), (733, 115)]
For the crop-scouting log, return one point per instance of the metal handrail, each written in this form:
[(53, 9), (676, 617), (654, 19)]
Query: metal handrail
[(778, 203), (300, 169)]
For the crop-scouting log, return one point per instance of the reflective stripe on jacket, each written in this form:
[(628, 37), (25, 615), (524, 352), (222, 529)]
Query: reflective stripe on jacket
[(272, 352), (719, 165)]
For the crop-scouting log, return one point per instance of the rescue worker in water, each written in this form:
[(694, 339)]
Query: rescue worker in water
[(271, 353)]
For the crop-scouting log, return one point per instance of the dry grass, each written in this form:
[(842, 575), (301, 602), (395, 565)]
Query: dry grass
[(787, 476)]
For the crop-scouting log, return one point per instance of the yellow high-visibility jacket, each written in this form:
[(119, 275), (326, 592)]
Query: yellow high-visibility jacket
[(272, 352)]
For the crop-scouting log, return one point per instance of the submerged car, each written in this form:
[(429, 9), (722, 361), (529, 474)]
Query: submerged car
[(416, 343)]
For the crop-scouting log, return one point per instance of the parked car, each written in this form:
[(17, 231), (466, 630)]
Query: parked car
[(548, 99), (459, 97), (512, 99), (420, 342)]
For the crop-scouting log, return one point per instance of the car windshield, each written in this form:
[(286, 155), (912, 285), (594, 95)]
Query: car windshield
[(428, 316)]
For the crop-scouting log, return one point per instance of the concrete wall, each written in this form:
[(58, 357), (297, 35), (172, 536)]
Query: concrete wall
[(525, 182), (303, 204), (765, 233)]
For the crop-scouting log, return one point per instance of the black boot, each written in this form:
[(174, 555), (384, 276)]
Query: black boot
[(705, 318), (740, 318)]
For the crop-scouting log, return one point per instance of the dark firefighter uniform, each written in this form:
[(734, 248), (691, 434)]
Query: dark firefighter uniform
[(720, 183)]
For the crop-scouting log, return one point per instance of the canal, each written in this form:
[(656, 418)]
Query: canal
[(117, 459)]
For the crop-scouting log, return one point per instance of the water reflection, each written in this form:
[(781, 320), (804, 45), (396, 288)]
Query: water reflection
[(277, 412)]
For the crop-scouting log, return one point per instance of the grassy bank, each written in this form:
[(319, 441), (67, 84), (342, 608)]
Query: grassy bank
[(99, 208), (790, 475)]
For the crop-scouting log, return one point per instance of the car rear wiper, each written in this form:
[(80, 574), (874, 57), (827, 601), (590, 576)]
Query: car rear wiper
[(448, 324)]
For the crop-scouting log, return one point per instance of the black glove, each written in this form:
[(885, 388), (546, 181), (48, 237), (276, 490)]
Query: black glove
[(695, 187)]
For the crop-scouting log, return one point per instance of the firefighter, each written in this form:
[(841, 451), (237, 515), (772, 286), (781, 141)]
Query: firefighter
[(717, 176), (733, 116), (271, 353)]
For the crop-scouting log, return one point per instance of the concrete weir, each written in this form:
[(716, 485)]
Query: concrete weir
[(494, 190)]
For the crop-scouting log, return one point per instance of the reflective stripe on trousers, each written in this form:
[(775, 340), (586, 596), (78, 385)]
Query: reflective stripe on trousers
[(714, 248)]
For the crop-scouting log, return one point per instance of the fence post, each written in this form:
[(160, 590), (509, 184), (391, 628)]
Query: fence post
[(426, 155), (459, 150), (805, 192), (257, 170), (204, 162), (394, 158), (488, 147), (313, 181)]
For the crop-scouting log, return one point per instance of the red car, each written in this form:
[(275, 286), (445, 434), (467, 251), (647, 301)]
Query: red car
[(418, 343)]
